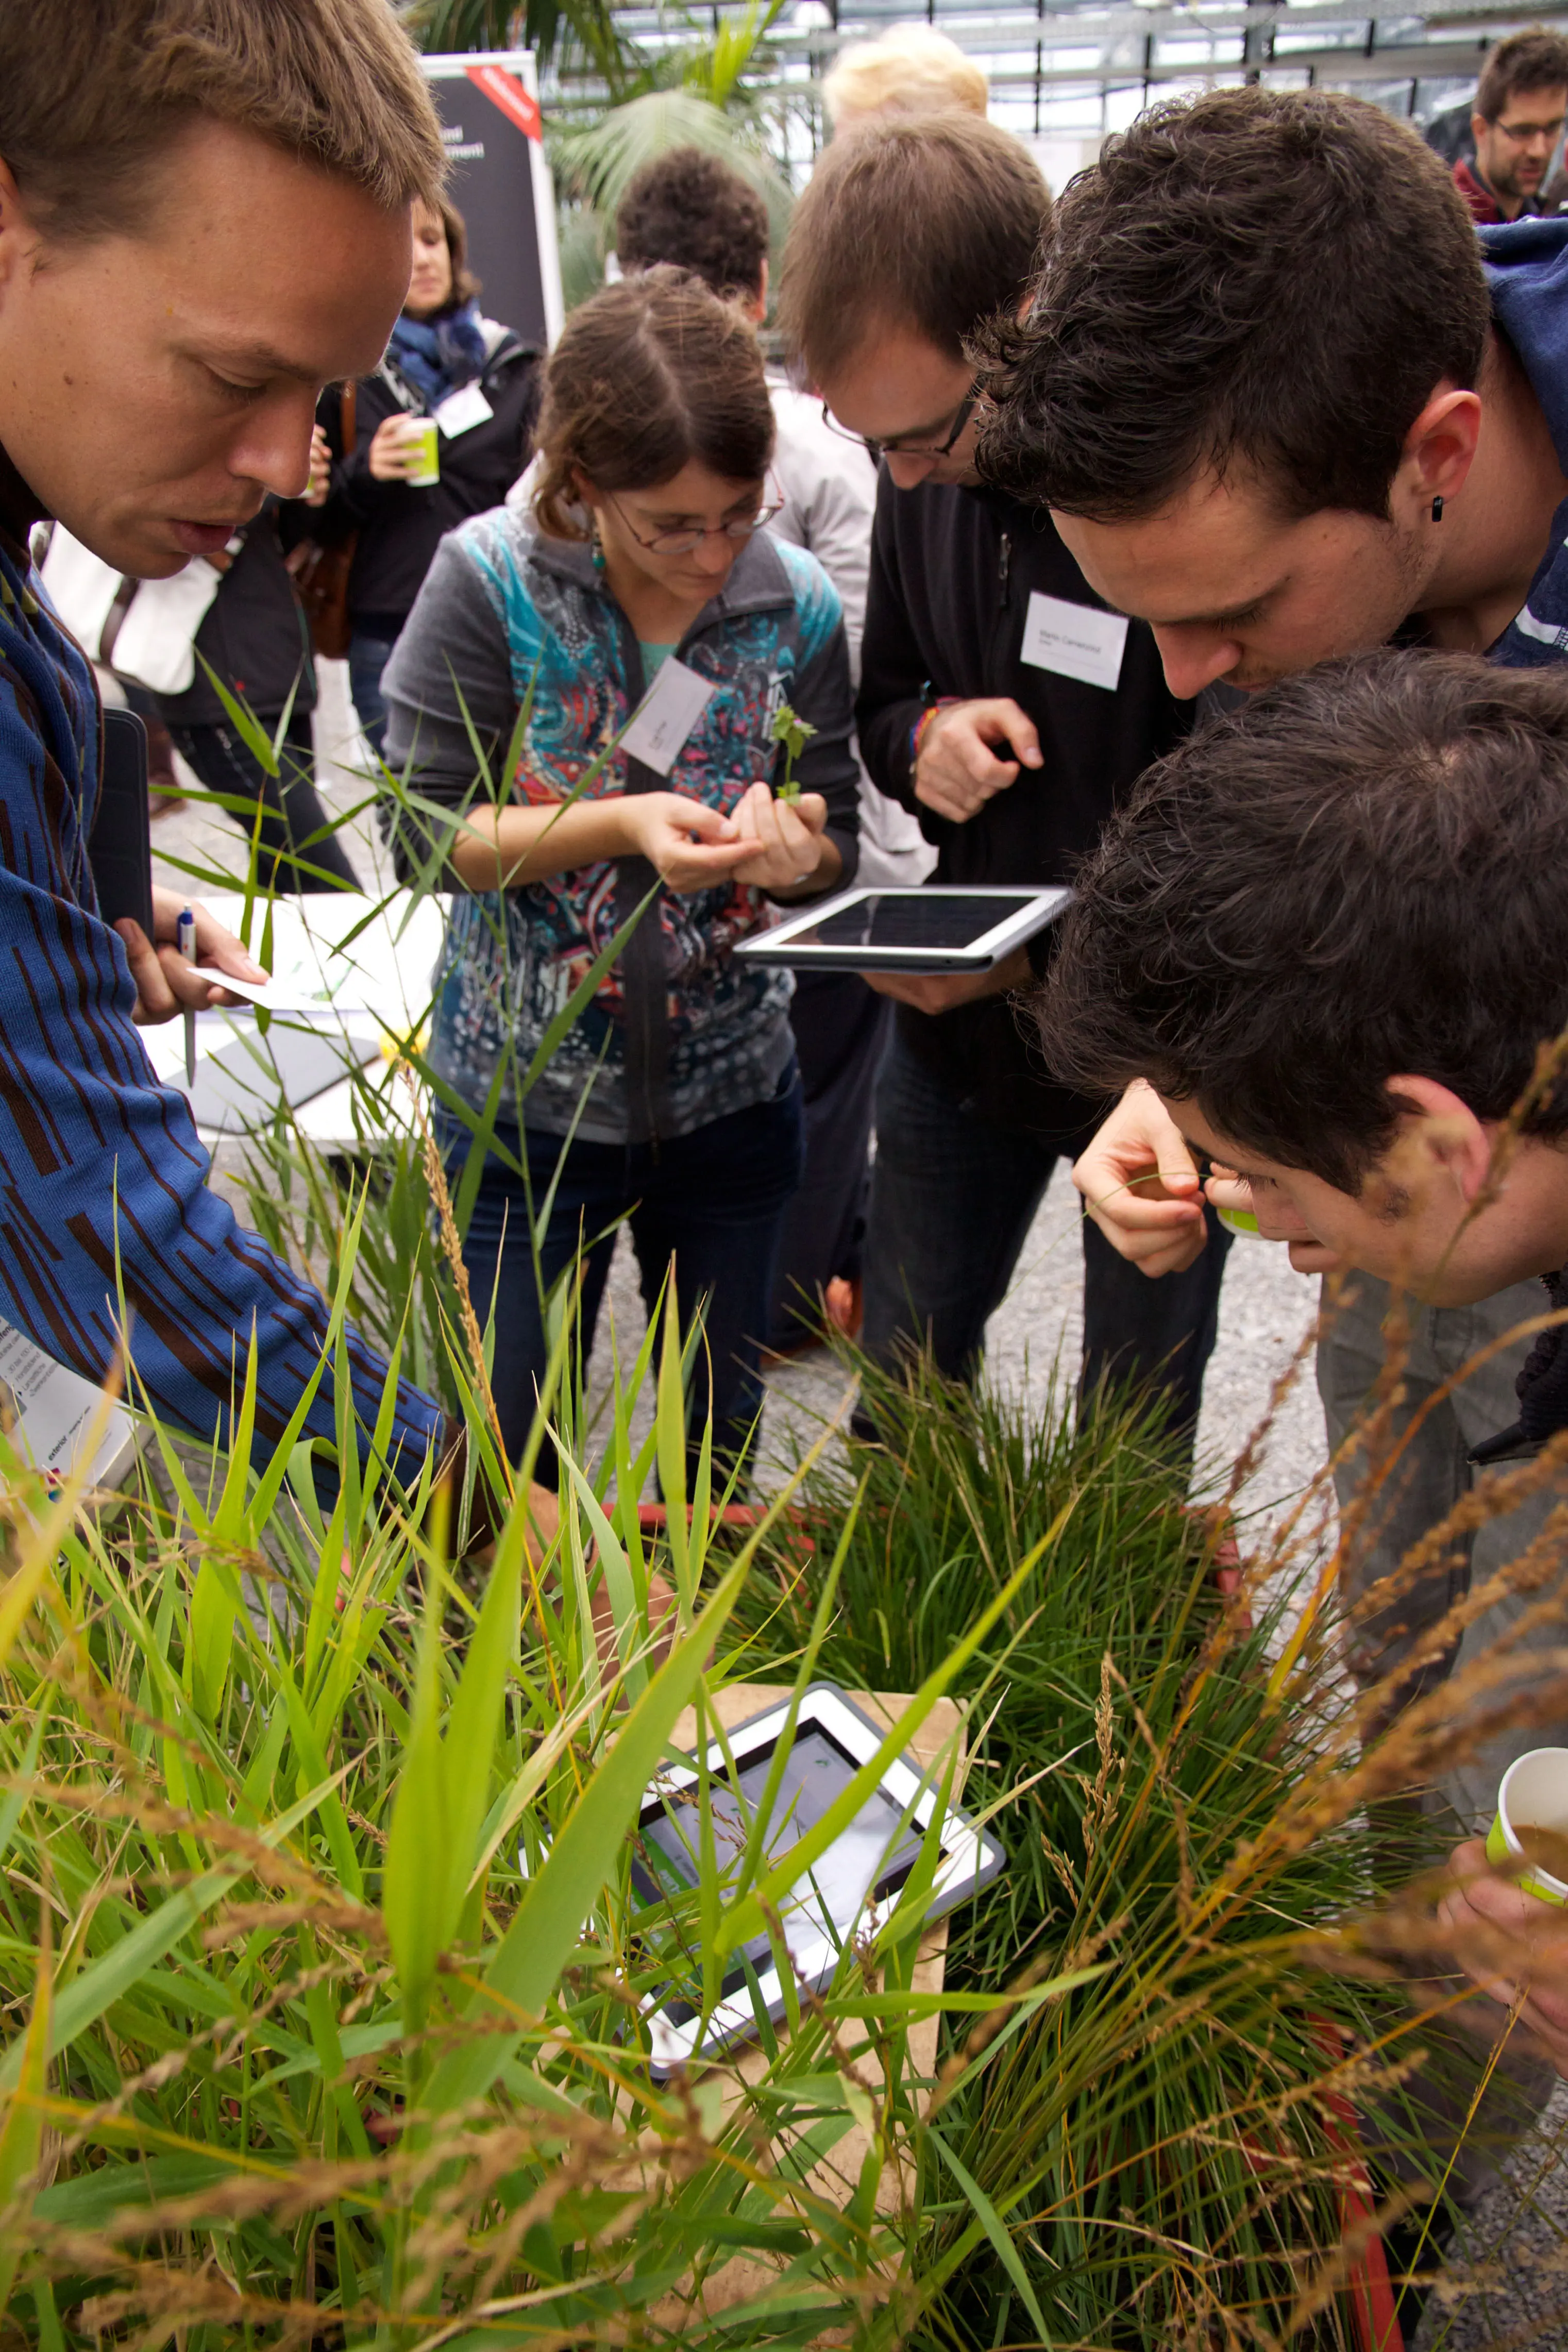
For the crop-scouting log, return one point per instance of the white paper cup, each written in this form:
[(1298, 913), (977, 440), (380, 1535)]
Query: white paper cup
[(1534, 1792), (424, 445)]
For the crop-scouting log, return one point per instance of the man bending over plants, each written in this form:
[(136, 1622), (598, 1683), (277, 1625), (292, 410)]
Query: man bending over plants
[(205, 213), (1330, 934), (1278, 431)]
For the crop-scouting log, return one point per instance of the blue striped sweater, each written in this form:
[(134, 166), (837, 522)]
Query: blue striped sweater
[(103, 1181)]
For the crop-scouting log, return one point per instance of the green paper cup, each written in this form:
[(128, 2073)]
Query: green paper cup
[(1531, 1811), (423, 446), (1240, 1221)]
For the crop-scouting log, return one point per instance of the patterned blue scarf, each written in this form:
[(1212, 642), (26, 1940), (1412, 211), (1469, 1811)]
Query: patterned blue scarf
[(435, 355)]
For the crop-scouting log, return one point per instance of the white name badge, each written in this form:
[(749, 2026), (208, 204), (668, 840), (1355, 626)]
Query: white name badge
[(1074, 640), (462, 410), (657, 729)]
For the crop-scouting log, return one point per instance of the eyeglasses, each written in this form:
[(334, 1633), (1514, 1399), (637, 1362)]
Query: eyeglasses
[(1522, 132), (900, 448), (684, 543)]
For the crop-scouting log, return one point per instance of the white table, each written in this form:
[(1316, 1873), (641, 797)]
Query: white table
[(377, 987)]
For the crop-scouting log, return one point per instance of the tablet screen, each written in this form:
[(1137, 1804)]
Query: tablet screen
[(239, 1089), (829, 1899), (932, 920)]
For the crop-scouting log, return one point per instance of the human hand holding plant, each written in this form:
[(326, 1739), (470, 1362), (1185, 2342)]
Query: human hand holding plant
[(794, 733), (786, 838)]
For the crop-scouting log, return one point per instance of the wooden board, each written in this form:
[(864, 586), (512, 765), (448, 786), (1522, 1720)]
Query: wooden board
[(835, 2179)]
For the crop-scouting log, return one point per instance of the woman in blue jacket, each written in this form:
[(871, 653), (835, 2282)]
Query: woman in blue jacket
[(480, 383), (674, 1099)]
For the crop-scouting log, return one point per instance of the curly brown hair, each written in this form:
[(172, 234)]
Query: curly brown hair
[(1357, 873), (690, 209), (647, 376)]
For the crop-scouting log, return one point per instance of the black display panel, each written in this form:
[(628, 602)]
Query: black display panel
[(924, 918)]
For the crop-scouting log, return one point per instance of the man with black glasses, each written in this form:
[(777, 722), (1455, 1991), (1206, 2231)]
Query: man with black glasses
[(1517, 125), (1002, 702)]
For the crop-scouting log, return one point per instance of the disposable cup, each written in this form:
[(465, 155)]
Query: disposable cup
[(1533, 1795), (423, 446), (1240, 1221)]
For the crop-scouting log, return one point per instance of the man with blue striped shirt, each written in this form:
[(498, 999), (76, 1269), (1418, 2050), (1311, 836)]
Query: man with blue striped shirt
[(205, 217)]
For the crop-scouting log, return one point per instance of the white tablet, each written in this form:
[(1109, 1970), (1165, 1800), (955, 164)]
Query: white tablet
[(850, 1890), (931, 928)]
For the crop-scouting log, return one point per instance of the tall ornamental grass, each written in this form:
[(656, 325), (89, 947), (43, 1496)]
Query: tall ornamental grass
[(322, 1966)]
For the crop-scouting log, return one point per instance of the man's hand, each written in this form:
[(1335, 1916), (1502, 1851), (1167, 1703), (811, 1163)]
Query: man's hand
[(957, 770), (320, 480), (165, 982), (787, 838), (1507, 1940), (1142, 1187), (1227, 1190), (933, 991)]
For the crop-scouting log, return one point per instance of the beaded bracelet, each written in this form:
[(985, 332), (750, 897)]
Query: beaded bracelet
[(917, 733)]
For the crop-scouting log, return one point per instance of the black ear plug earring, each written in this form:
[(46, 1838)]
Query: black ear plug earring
[(1437, 510)]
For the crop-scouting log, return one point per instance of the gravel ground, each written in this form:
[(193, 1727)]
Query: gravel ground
[(1509, 2285)]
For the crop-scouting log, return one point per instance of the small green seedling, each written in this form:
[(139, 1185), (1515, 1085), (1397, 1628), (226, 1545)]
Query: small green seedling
[(794, 734)]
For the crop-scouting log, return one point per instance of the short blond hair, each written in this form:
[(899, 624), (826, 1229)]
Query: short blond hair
[(90, 100), (910, 69)]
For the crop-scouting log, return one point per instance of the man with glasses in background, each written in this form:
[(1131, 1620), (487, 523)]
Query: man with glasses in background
[(1003, 703), (1517, 122)]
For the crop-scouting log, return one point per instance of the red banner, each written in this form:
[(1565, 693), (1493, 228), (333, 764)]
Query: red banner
[(504, 90)]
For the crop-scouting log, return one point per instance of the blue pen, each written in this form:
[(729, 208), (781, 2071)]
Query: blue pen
[(185, 940)]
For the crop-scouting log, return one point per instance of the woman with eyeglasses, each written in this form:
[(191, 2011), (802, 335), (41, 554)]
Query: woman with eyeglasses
[(644, 578)]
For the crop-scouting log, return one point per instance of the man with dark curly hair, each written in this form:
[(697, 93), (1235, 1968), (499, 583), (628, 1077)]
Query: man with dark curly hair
[(1330, 933), (691, 209)]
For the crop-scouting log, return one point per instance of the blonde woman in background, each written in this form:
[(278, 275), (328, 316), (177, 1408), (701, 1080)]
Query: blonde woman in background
[(909, 70)]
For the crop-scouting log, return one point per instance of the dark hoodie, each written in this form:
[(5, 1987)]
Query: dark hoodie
[(1527, 271), (952, 571)]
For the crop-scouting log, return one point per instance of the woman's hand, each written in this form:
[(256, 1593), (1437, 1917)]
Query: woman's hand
[(691, 845), (393, 456), (1140, 1185), (786, 846)]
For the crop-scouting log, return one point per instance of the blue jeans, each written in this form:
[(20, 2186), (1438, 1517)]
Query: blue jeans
[(841, 1031), (368, 656), (715, 1200), (952, 1200)]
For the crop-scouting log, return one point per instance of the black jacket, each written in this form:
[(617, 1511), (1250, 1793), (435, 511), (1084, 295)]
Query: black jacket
[(951, 575), (253, 632), (400, 528)]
